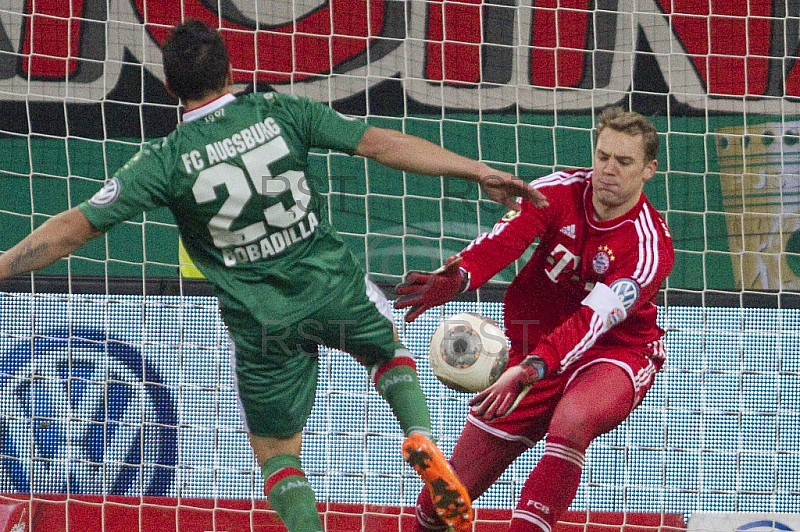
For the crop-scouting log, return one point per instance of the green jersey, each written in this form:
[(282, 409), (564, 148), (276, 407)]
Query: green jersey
[(234, 176)]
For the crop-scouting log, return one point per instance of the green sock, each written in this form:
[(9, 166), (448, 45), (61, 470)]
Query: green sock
[(291, 496), (400, 387)]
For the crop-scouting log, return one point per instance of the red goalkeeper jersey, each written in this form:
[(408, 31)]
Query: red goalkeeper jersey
[(554, 307)]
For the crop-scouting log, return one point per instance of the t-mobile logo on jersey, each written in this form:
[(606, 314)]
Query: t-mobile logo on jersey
[(538, 506)]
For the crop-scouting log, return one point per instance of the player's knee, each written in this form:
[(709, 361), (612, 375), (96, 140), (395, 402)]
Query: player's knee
[(579, 428), (266, 448), (582, 426)]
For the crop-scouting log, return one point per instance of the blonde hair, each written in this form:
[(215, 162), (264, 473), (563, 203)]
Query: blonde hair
[(630, 123)]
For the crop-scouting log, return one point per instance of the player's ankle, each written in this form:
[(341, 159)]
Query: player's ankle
[(421, 433)]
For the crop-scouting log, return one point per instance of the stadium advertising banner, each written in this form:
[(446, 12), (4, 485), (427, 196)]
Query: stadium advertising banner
[(743, 522), (515, 85), (158, 514), (132, 396)]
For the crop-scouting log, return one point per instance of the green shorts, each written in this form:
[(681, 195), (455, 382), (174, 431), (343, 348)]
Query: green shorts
[(275, 373)]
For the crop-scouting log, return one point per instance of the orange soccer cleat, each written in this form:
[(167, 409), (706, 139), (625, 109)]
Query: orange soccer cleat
[(450, 498)]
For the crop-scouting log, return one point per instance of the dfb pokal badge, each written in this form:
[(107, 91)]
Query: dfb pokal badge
[(760, 180)]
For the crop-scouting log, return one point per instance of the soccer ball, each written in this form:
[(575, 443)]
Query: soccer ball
[(468, 352)]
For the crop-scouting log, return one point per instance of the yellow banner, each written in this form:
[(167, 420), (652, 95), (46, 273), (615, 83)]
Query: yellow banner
[(188, 269)]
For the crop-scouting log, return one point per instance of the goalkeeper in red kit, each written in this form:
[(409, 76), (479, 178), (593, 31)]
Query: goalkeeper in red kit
[(580, 315)]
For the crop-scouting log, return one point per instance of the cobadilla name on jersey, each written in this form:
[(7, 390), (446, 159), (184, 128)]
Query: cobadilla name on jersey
[(273, 244), (237, 144), (251, 140)]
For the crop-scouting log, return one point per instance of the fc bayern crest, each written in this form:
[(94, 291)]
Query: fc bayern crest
[(602, 260)]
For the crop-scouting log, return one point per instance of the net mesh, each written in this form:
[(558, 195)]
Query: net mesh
[(113, 349)]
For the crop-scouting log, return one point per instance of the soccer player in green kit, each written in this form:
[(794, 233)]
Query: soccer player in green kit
[(233, 173)]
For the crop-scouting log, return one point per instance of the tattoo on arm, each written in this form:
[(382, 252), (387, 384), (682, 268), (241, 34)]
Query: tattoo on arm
[(26, 255)]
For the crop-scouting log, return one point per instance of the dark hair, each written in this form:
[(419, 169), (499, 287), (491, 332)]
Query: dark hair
[(630, 123), (196, 60)]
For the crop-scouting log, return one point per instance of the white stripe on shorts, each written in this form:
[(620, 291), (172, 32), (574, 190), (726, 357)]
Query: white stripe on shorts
[(379, 300), (239, 405)]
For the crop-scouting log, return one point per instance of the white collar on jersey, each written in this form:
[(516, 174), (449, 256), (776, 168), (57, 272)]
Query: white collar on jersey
[(208, 108)]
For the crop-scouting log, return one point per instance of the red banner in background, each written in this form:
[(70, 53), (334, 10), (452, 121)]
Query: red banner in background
[(314, 43), (728, 42), (731, 45), (57, 513)]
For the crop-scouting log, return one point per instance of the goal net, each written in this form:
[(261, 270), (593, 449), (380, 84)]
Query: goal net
[(117, 400)]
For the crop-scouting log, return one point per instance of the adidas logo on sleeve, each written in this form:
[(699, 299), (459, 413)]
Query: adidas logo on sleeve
[(569, 230)]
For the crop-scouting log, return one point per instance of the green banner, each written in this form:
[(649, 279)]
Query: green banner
[(710, 185)]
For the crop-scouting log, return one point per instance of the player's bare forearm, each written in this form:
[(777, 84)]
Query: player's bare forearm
[(413, 154), (54, 239)]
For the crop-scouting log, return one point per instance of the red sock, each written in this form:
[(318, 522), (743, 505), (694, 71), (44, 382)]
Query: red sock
[(550, 487)]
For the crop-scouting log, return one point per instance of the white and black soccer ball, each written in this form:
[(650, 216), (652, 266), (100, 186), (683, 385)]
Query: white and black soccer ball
[(468, 352)]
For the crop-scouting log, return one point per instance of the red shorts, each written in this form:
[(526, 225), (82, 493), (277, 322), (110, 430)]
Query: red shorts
[(529, 421)]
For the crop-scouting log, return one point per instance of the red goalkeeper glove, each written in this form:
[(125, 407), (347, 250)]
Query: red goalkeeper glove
[(423, 290), (502, 397)]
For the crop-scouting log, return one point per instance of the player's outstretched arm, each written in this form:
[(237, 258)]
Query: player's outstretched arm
[(56, 238), (414, 154)]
